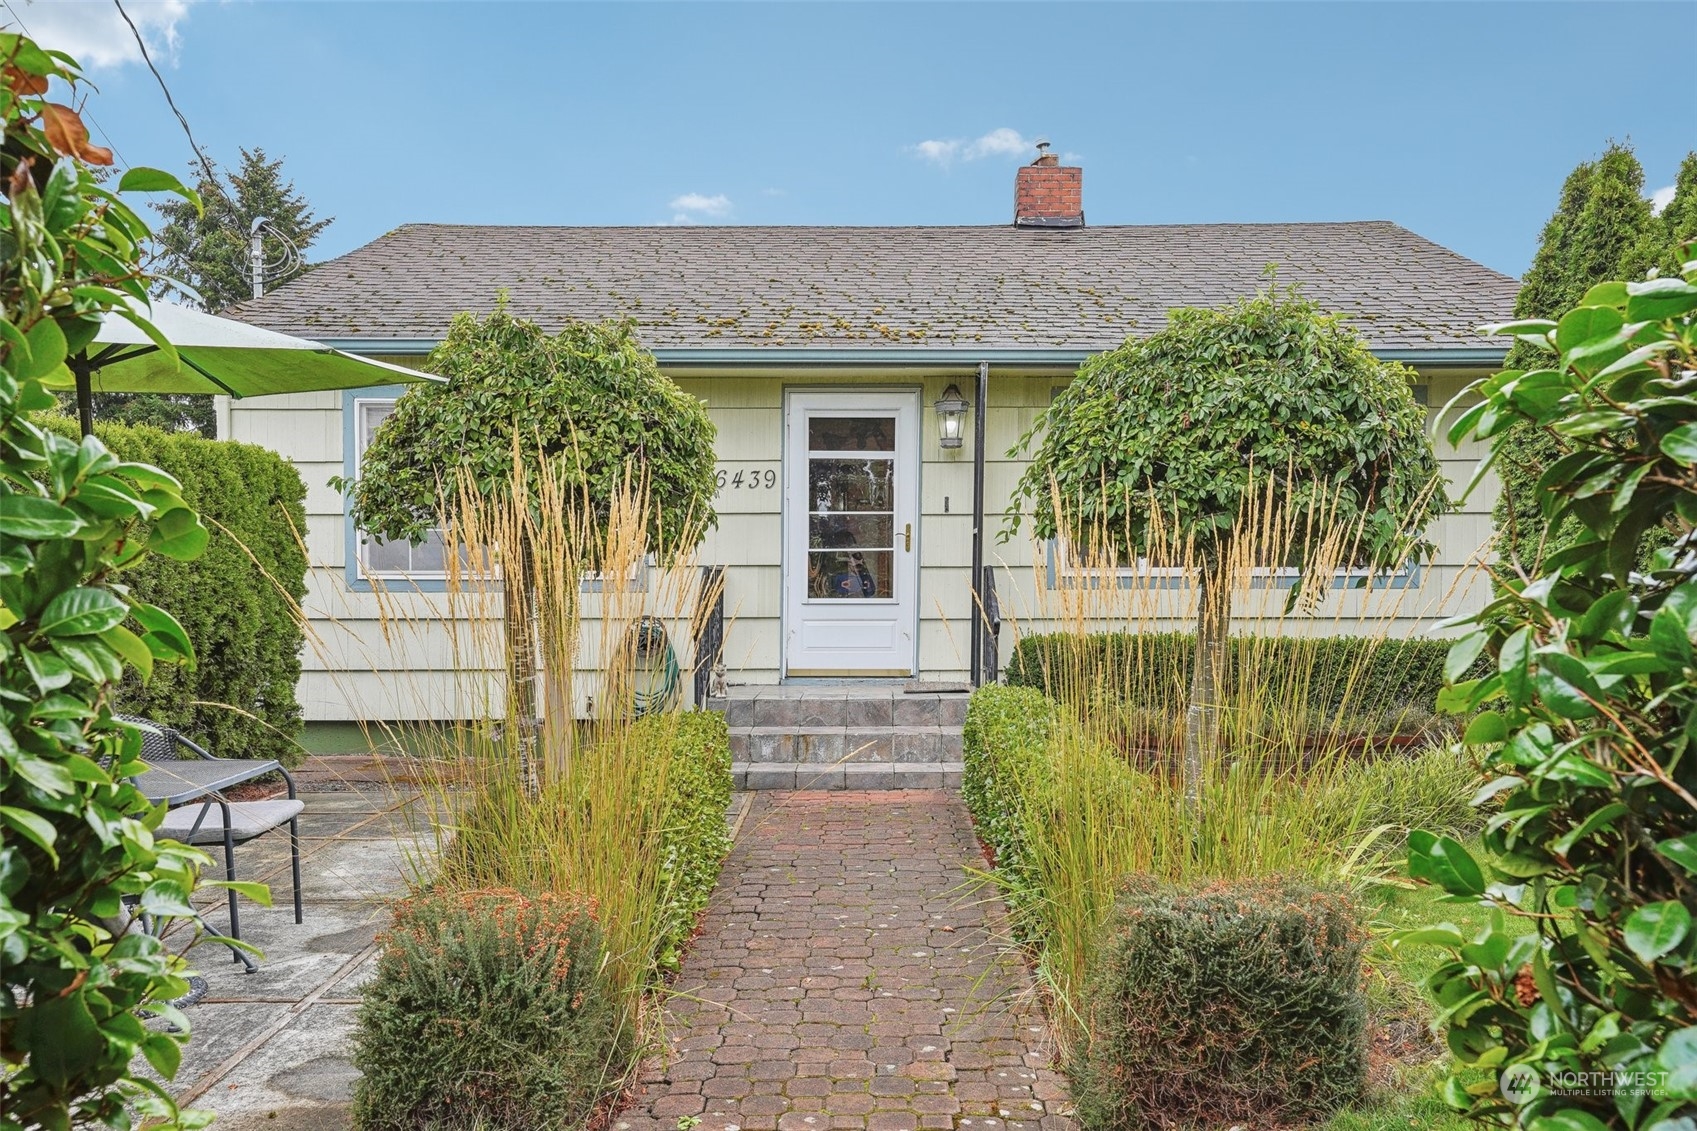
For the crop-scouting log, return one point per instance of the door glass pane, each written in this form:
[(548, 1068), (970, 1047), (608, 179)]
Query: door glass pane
[(851, 434), (851, 525), (850, 574), (856, 486), (850, 531)]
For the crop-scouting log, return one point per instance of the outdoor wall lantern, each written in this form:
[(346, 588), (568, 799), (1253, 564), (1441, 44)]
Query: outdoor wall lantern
[(951, 417)]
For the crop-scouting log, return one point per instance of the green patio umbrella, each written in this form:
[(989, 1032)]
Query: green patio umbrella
[(216, 355)]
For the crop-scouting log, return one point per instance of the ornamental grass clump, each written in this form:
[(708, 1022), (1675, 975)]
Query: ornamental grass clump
[(490, 1009), (1233, 1002)]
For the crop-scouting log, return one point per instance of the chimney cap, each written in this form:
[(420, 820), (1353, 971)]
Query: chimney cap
[(1044, 157)]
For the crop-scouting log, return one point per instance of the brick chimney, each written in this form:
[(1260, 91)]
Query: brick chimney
[(1048, 195)]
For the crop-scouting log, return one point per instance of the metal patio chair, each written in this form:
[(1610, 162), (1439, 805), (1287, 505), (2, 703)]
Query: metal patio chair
[(191, 780)]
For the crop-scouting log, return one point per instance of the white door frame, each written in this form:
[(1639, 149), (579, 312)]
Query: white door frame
[(879, 637)]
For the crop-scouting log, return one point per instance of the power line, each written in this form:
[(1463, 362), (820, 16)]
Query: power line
[(206, 165)]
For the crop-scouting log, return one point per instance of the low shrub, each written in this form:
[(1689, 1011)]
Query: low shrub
[(1233, 1002), (695, 839), (1006, 736), (489, 1009), (237, 601), (1150, 671)]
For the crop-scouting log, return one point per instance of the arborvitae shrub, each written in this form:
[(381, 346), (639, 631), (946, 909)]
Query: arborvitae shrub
[(488, 1010), (237, 601), (1235, 1003)]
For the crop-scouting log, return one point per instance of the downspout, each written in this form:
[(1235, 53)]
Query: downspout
[(981, 404)]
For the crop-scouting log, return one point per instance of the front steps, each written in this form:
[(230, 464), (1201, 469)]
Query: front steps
[(852, 735)]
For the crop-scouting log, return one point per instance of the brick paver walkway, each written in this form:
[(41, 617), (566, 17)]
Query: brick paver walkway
[(847, 977)]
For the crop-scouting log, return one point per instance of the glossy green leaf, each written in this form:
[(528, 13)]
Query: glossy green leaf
[(1443, 861), (82, 611), (1487, 728), (1682, 850), (1680, 444), (32, 517), (1655, 929)]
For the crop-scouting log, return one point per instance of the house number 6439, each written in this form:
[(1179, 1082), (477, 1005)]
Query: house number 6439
[(749, 479)]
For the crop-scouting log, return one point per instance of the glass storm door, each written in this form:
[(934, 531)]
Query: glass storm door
[(851, 512)]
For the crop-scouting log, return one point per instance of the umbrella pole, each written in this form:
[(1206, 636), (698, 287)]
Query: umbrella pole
[(81, 367)]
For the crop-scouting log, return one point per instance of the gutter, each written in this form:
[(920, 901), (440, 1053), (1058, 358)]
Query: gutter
[(808, 357)]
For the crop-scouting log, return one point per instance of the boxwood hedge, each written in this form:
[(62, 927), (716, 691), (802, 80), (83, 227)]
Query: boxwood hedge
[(696, 840), (1387, 674)]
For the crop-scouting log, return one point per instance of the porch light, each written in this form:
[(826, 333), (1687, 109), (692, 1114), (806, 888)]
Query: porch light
[(951, 417)]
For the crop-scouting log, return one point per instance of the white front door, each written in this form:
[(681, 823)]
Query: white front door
[(851, 513)]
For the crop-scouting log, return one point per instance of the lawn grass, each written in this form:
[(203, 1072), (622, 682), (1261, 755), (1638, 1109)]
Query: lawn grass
[(1404, 1092)]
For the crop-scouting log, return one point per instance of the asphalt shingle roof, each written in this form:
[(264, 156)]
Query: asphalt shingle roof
[(864, 287)]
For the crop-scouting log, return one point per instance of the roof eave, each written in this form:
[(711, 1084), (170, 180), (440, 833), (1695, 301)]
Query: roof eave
[(791, 357)]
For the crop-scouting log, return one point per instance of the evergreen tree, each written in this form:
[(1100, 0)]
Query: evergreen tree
[(1602, 229), (1679, 218), (209, 252)]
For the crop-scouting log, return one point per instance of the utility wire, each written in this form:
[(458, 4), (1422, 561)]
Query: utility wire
[(206, 165)]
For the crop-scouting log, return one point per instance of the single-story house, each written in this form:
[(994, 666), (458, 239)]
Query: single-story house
[(807, 343)]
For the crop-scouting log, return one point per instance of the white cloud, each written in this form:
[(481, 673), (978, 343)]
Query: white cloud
[(1002, 142), (1661, 198), (693, 205), (94, 33), (942, 152)]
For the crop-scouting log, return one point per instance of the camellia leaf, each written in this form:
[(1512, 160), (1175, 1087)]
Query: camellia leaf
[(83, 611), (1680, 444), (1655, 929), (1444, 862), (131, 647), (1486, 729), (32, 518), (1682, 850), (164, 635), (1570, 1119), (1584, 324)]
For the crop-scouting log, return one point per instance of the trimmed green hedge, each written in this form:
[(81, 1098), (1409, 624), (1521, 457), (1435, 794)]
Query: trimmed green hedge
[(1005, 742), (698, 785), (1392, 673), (1234, 1003), (489, 1009), (239, 610)]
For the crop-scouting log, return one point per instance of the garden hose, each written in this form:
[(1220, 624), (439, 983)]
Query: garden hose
[(648, 639)]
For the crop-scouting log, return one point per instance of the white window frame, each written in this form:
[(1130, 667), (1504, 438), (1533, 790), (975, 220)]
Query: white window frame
[(361, 539), (1064, 573)]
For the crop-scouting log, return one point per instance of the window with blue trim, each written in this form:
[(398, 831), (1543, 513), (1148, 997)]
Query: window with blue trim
[(1067, 570), (399, 559)]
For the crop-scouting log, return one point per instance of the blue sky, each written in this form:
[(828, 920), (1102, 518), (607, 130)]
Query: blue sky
[(1456, 120)]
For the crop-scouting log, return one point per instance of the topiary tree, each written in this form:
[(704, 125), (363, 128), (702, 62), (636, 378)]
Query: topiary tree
[(1176, 431), (1585, 1008), (589, 405), (1602, 229)]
